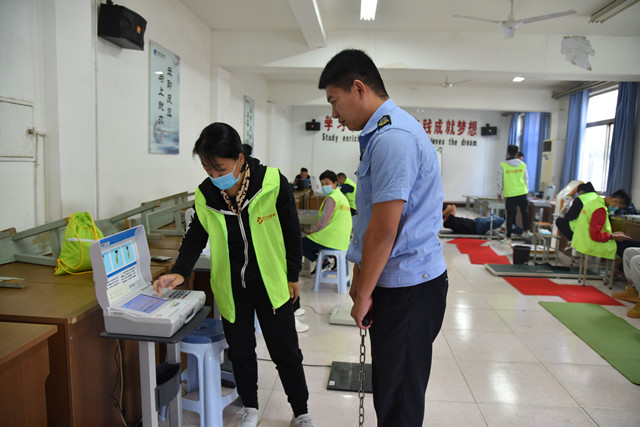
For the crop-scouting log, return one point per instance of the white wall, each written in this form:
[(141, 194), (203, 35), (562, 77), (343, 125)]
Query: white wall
[(466, 169), (127, 173), (90, 97)]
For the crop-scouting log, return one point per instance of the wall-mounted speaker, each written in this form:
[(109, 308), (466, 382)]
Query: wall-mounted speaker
[(488, 130), (312, 125), (121, 26)]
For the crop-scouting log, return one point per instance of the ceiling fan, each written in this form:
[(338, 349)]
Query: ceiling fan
[(450, 85), (512, 23)]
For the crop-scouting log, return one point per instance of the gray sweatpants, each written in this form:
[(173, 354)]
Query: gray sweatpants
[(631, 265)]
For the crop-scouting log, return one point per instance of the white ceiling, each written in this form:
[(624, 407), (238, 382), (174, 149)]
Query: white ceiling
[(424, 16)]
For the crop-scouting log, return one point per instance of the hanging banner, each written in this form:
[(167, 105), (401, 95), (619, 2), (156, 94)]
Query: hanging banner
[(164, 100)]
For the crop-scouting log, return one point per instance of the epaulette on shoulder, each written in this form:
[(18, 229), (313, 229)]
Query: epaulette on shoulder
[(384, 121)]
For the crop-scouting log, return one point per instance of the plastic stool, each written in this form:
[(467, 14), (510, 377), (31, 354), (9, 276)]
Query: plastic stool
[(204, 346), (340, 277)]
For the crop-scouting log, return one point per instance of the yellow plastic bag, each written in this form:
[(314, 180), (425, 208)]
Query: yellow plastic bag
[(80, 233)]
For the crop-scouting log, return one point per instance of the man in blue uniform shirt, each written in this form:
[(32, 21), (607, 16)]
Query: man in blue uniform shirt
[(400, 276)]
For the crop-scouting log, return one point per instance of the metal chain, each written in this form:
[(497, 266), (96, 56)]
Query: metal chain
[(363, 349)]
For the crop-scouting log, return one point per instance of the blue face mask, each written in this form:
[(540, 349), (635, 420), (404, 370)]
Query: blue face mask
[(327, 189), (612, 209), (227, 181)]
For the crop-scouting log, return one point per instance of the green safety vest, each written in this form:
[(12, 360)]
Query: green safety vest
[(351, 197), (582, 241), (337, 233), (513, 180), (584, 198), (268, 243)]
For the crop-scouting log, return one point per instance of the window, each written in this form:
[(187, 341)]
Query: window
[(596, 144)]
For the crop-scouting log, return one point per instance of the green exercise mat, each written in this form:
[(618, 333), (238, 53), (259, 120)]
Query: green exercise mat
[(611, 337)]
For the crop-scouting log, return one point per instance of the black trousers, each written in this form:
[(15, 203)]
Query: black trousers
[(406, 321), (510, 205), (281, 338)]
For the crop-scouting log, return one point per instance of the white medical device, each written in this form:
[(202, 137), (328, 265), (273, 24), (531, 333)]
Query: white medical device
[(122, 276)]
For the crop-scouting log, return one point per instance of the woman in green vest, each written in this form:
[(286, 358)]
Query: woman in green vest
[(513, 186), (248, 214), (592, 234), (333, 229), (567, 223)]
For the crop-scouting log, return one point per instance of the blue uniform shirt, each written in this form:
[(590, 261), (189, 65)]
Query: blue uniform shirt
[(399, 162)]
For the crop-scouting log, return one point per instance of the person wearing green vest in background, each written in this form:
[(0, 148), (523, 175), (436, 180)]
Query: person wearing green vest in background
[(592, 234), (333, 229), (567, 223), (248, 214), (348, 188), (513, 185)]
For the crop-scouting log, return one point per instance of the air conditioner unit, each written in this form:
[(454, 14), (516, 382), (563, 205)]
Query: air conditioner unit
[(546, 167)]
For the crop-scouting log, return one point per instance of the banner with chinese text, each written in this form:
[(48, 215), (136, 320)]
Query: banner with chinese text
[(164, 100)]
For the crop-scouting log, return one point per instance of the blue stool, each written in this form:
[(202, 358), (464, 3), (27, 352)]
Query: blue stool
[(204, 346), (340, 277)]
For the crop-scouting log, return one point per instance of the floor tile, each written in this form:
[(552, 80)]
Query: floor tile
[(597, 386), (490, 346), (500, 415), (514, 383), (500, 360)]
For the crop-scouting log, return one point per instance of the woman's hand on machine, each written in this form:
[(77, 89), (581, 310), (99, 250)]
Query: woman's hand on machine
[(167, 281)]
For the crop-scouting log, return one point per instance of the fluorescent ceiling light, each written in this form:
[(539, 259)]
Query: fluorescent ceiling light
[(611, 10), (518, 79), (368, 10)]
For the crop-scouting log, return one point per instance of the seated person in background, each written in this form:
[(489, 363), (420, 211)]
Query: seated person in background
[(348, 188), (567, 223), (466, 225), (302, 180), (631, 262), (592, 234), (333, 229), (613, 209)]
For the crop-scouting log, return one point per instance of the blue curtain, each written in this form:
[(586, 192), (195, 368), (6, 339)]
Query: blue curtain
[(623, 139), (576, 125), (513, 129), (535, 130)]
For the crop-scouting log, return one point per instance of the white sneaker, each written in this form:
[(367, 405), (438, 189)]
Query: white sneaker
[(303, 420), (526, 233), (301, 327), (249, 417), (299, 312), (506, 241)]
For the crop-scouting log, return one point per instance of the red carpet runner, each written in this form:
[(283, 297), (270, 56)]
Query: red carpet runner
[(479, 254)]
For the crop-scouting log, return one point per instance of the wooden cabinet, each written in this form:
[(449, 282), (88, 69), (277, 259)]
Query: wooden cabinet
[(24, 369)]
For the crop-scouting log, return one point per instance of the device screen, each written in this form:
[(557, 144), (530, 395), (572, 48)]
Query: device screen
[(144, 303)]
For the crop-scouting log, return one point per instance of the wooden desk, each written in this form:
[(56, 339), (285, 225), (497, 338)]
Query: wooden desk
[(167, 242), (627, 227), (315, 202), (83, 371), (35, 273), (302, 198), (24, 368)]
